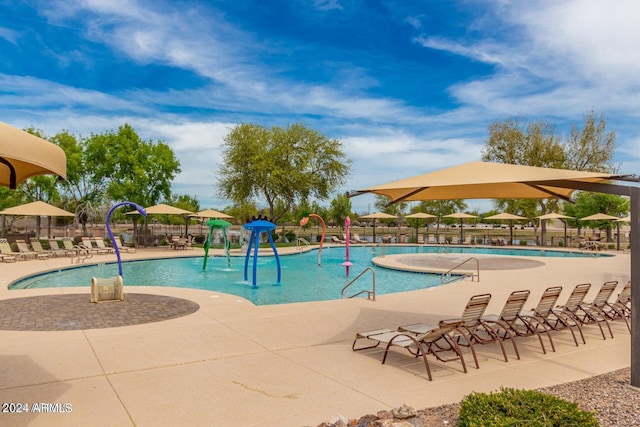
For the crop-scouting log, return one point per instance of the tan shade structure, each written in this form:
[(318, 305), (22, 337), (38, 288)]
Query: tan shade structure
[(377, 215), (486, 180), (625, 219), (37, 208), (509, 217), (599, 217), (461, 216), (164, 209), (211, 213), (420, 215), (506, 216), (554, 215), (23, 155)]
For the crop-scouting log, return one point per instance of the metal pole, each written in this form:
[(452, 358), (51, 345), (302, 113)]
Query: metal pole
[(635, 286)]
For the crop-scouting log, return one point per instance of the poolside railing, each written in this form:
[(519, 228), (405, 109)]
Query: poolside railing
[(447, 277), (302, 241), (371, 294)]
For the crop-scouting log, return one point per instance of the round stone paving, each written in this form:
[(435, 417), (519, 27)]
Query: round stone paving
[(75, 311), (437, 263)]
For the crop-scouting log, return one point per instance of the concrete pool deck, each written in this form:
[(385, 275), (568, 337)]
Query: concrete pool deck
[(231, 363)]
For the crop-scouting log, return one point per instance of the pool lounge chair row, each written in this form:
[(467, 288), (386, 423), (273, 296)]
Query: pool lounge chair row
[(445, 339)]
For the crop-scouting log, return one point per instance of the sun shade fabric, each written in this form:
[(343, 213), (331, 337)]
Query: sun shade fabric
[(485, 180), (37, 208), (506, 215), (211, 213), (29, 155), (378, 215), (162, 209)]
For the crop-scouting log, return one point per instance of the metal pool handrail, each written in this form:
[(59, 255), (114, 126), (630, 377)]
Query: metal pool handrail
[(446, 277), (371, 294)]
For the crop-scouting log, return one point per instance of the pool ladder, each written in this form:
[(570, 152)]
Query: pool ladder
[(371, 294), (446, 277)]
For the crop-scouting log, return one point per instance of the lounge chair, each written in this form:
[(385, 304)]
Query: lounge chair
[(420, 239), (593, 312), (467, 240), (8, 255), (621, 307), (37, 247), (565, 313), (442, 240), (431, 240), (435, 341), (357, 239), (88, 243), (78, 250), (100, 244), (28, 253), (55, 248), (513, 322), (543, 313), (471, 321), (335, 239)]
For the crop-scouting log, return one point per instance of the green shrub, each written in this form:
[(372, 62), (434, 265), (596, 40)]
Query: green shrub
[(199, 239), (524, 243), (519, 408), (291, 236)]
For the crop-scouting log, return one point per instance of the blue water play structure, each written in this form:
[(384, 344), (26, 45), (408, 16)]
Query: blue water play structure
[(113, 239), (258, 226), (217, 224)]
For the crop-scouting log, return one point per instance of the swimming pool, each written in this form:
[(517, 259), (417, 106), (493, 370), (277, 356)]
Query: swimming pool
[(302, 279)]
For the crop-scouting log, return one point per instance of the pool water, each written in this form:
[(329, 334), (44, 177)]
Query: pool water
[(302, 279)]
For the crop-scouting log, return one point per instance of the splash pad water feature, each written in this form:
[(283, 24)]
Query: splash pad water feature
[(304, 222), (217, 224), (257, 226)]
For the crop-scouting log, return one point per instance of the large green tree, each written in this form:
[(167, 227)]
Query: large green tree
[(587, 203), (134, 170), (280, 166), (515, 141)]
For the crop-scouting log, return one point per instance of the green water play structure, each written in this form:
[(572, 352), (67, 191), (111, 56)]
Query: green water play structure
[(214, 225)]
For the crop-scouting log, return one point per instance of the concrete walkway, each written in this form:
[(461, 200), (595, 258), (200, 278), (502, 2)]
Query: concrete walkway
[(231, 363)]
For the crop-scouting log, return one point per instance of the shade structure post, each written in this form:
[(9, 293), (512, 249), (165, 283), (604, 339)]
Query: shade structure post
[(635, 286)]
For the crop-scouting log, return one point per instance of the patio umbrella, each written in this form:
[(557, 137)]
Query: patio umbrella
[(462, 216), (417, 216), (509, 217), (554, 215), (211, 213), (489, 180), (37, 208), (164, 209), (605, 217), (377, 215), (23, 155)]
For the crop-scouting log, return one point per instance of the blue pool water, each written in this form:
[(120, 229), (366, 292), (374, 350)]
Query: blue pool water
[(302, 279)]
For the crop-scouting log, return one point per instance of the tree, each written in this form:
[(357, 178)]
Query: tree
[(440, 208), (340, 209), (587, 203), (536, 144), (135, 170), (280, 165)]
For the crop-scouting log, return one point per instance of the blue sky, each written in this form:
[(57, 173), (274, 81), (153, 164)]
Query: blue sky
[(407, 86)]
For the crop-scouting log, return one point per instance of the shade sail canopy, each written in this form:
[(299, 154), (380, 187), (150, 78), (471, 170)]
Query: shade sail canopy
[(461, 215), (211, 213), (420, 215), (378, 215), (162, 209), (23, 155), (599, 217), (487, 180), (506, 215), (37, 208), (553, 215), (625, 219)]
